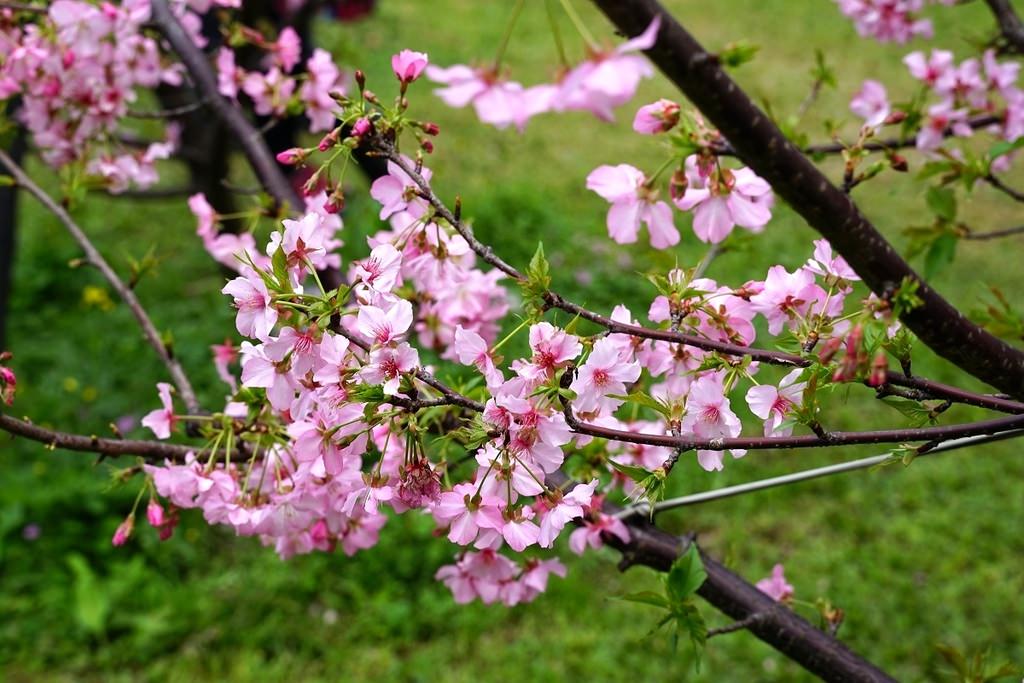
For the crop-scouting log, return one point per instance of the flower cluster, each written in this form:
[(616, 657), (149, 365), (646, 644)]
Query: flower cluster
[(974, 87), (607, 79), (77, 72), (720, 198), (889, 21)]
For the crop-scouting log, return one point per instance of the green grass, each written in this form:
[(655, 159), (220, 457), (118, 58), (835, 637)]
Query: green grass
[(914, 556)]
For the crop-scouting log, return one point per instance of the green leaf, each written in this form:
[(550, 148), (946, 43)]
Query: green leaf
[(738, 53), (690, 621), (538, 270), (635, 473), (940, 254), (646, 400), (686, 575), (942, 202), (1004, 147), (279, 263), (646, 598)]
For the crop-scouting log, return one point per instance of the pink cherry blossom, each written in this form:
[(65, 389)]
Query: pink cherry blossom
[(657, 117), (724, 199), (776, 587), (380, 270), (773, 404), (633, 202), (825, 264), (871, 103), (608, 79), (256, 313), (603, 375), (383, 327), (942, 117), (408, 65), (387, 365), (162, 420), (323, 79), (590, 534), (931, 69), (787, 297), (709, 416), (397, 193), (472, 349), (570, 507), (498, 102)]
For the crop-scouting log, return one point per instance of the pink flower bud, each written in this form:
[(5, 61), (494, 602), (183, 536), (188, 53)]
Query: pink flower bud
[(329, 140), (879, 370), (408, 65), (124, 531), (293, 156), (361, 127), (829, 349), (430, 128), (155, 514), (656, 117)]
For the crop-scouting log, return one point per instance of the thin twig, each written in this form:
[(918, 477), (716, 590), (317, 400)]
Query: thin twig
[(252, 143), (744, 623), (994, 234), (153, 451), (998, 184), (168, 113), (96, 259)]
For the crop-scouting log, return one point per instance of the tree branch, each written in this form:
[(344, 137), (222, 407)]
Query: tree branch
[(884, 145), (1010, 25), (686, 443), (253, 145), (994, 234), (763, 147), (96, 259), (818, 652), (151, 451)]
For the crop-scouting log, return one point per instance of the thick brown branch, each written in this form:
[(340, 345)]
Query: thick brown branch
[(817, 651), (763, 147), (1010, 25), (96, 259), (253, 145)]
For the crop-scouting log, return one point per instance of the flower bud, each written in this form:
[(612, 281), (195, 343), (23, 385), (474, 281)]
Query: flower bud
[(335, 201), (430, 128), (361, 127), (155, 514), (894, 118), (292, 157), (879, 370), (124, 531), (329, 140), (829, 349), (360, 79), (678, 184), (898, 163)]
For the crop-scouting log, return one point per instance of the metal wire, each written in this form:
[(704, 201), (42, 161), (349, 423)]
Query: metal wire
[(805, 475)]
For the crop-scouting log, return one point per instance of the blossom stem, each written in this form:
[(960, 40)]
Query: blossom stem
[(580, 26), (509, 336), (556, 33), (503, 45)]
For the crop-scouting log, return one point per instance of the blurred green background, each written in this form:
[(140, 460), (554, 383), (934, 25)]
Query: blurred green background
[(915, 556)]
